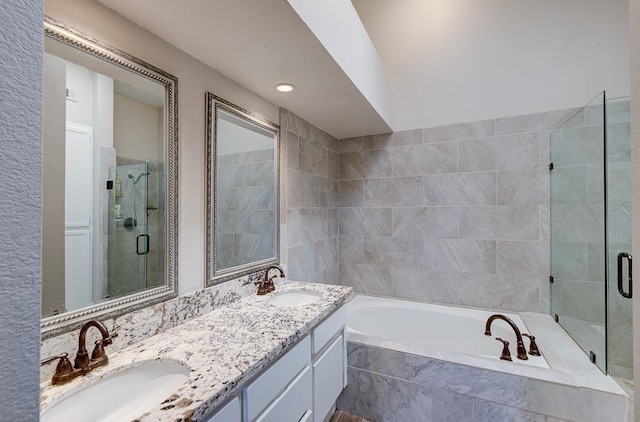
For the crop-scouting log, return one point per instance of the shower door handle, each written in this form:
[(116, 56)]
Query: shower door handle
[(621, 256), (144, 237)]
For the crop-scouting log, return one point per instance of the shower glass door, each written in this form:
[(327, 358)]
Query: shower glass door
[(619, 323), (129, 241), (578, 240)]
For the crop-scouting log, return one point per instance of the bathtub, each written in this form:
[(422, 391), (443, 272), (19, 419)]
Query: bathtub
[(414, 361), (434, 329)]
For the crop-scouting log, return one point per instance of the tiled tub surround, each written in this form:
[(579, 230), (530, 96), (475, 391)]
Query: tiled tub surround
[(308, 200), (223, 349), (391, 381), (455, 214)]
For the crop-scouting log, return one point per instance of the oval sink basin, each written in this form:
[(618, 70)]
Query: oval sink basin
[(294, 298), (122, 396)]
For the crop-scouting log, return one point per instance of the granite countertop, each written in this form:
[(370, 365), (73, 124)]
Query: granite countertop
[(222, 349)]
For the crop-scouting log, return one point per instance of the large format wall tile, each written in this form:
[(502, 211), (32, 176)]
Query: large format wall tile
[(403, 252), (460, 189), (351, 250), (523, 258), (397, 192), (529, 186), (309, 200), (510, 293), (533, 122), (365, 221), (431, 286), (463, 255), (501, 153), (427, 222), (351, 193), (503, 222), (425, 159), (484, 210), (473, 130), (366, 279), (366, 164)]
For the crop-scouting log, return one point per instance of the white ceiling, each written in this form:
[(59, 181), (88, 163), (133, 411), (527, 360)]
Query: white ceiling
[(259, 44), (448, 61)]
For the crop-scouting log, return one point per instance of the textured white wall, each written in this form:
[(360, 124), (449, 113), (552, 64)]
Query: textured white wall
[(634, 33), (20, 205), (469, 60)]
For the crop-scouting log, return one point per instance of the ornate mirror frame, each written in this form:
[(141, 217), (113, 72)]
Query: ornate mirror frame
[(213, 274), (57, 324)]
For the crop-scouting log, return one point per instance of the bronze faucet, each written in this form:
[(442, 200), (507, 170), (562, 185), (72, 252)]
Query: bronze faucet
[(533, 347), (522, 352), (266, 286), (506, 353), (83, 365)]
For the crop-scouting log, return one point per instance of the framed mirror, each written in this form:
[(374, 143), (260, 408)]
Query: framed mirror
[(242, 191), (109, 181)]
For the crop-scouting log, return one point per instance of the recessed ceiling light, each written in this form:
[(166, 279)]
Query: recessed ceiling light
[(285, 87)]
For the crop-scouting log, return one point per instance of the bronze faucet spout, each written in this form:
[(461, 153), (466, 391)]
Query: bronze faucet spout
[(522, 352), (266, 286), (82, 357)]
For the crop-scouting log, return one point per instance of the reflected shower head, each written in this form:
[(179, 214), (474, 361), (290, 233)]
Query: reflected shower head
[(137, 179)]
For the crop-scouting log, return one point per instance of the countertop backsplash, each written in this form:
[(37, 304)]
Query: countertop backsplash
[(141, 324)]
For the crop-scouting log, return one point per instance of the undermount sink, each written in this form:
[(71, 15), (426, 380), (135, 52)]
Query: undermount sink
[(122, 396), (294, 298)]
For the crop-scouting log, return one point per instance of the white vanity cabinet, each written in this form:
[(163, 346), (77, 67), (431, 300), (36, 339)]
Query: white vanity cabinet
[(229, 413), (302, 385)]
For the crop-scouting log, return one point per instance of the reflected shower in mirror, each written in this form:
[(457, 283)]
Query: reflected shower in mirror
[(109, 161), (243, 191)]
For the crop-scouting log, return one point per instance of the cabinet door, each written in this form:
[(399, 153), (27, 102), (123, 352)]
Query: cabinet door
[(229, 413), (325, 331), (328, 372), (294, 404), (274, 380)]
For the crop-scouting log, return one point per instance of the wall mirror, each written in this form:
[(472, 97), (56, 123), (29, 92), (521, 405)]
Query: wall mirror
[(242, 191), (109, 181)]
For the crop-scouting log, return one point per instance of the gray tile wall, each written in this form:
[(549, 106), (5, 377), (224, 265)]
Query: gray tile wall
[(455, 214), (309, 200)]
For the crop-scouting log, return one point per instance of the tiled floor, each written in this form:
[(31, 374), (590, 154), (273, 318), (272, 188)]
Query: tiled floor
[(341, 416)]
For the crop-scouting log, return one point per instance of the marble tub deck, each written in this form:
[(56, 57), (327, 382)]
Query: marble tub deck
[(388, 381), (223, 349)]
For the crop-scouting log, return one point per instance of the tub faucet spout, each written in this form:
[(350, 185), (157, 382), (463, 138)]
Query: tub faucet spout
[(522, 352)]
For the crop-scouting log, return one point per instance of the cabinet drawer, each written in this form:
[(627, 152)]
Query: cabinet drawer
[(328, 373), (295, 402), (229, 413), (274, 380), (323, 333)]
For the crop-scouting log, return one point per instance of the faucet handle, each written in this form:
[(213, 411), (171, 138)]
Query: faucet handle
[(48, 360), (98, 351), (533, 347), (64, 366), (506, 353)]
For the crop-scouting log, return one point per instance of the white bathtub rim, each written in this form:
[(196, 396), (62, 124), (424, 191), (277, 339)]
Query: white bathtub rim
[(569, 364)]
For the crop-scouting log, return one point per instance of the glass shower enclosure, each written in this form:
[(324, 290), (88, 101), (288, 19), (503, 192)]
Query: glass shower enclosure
[(128, 238), (590, 216)]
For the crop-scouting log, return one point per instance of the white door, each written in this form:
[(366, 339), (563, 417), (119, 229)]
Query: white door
[(77, 212)]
